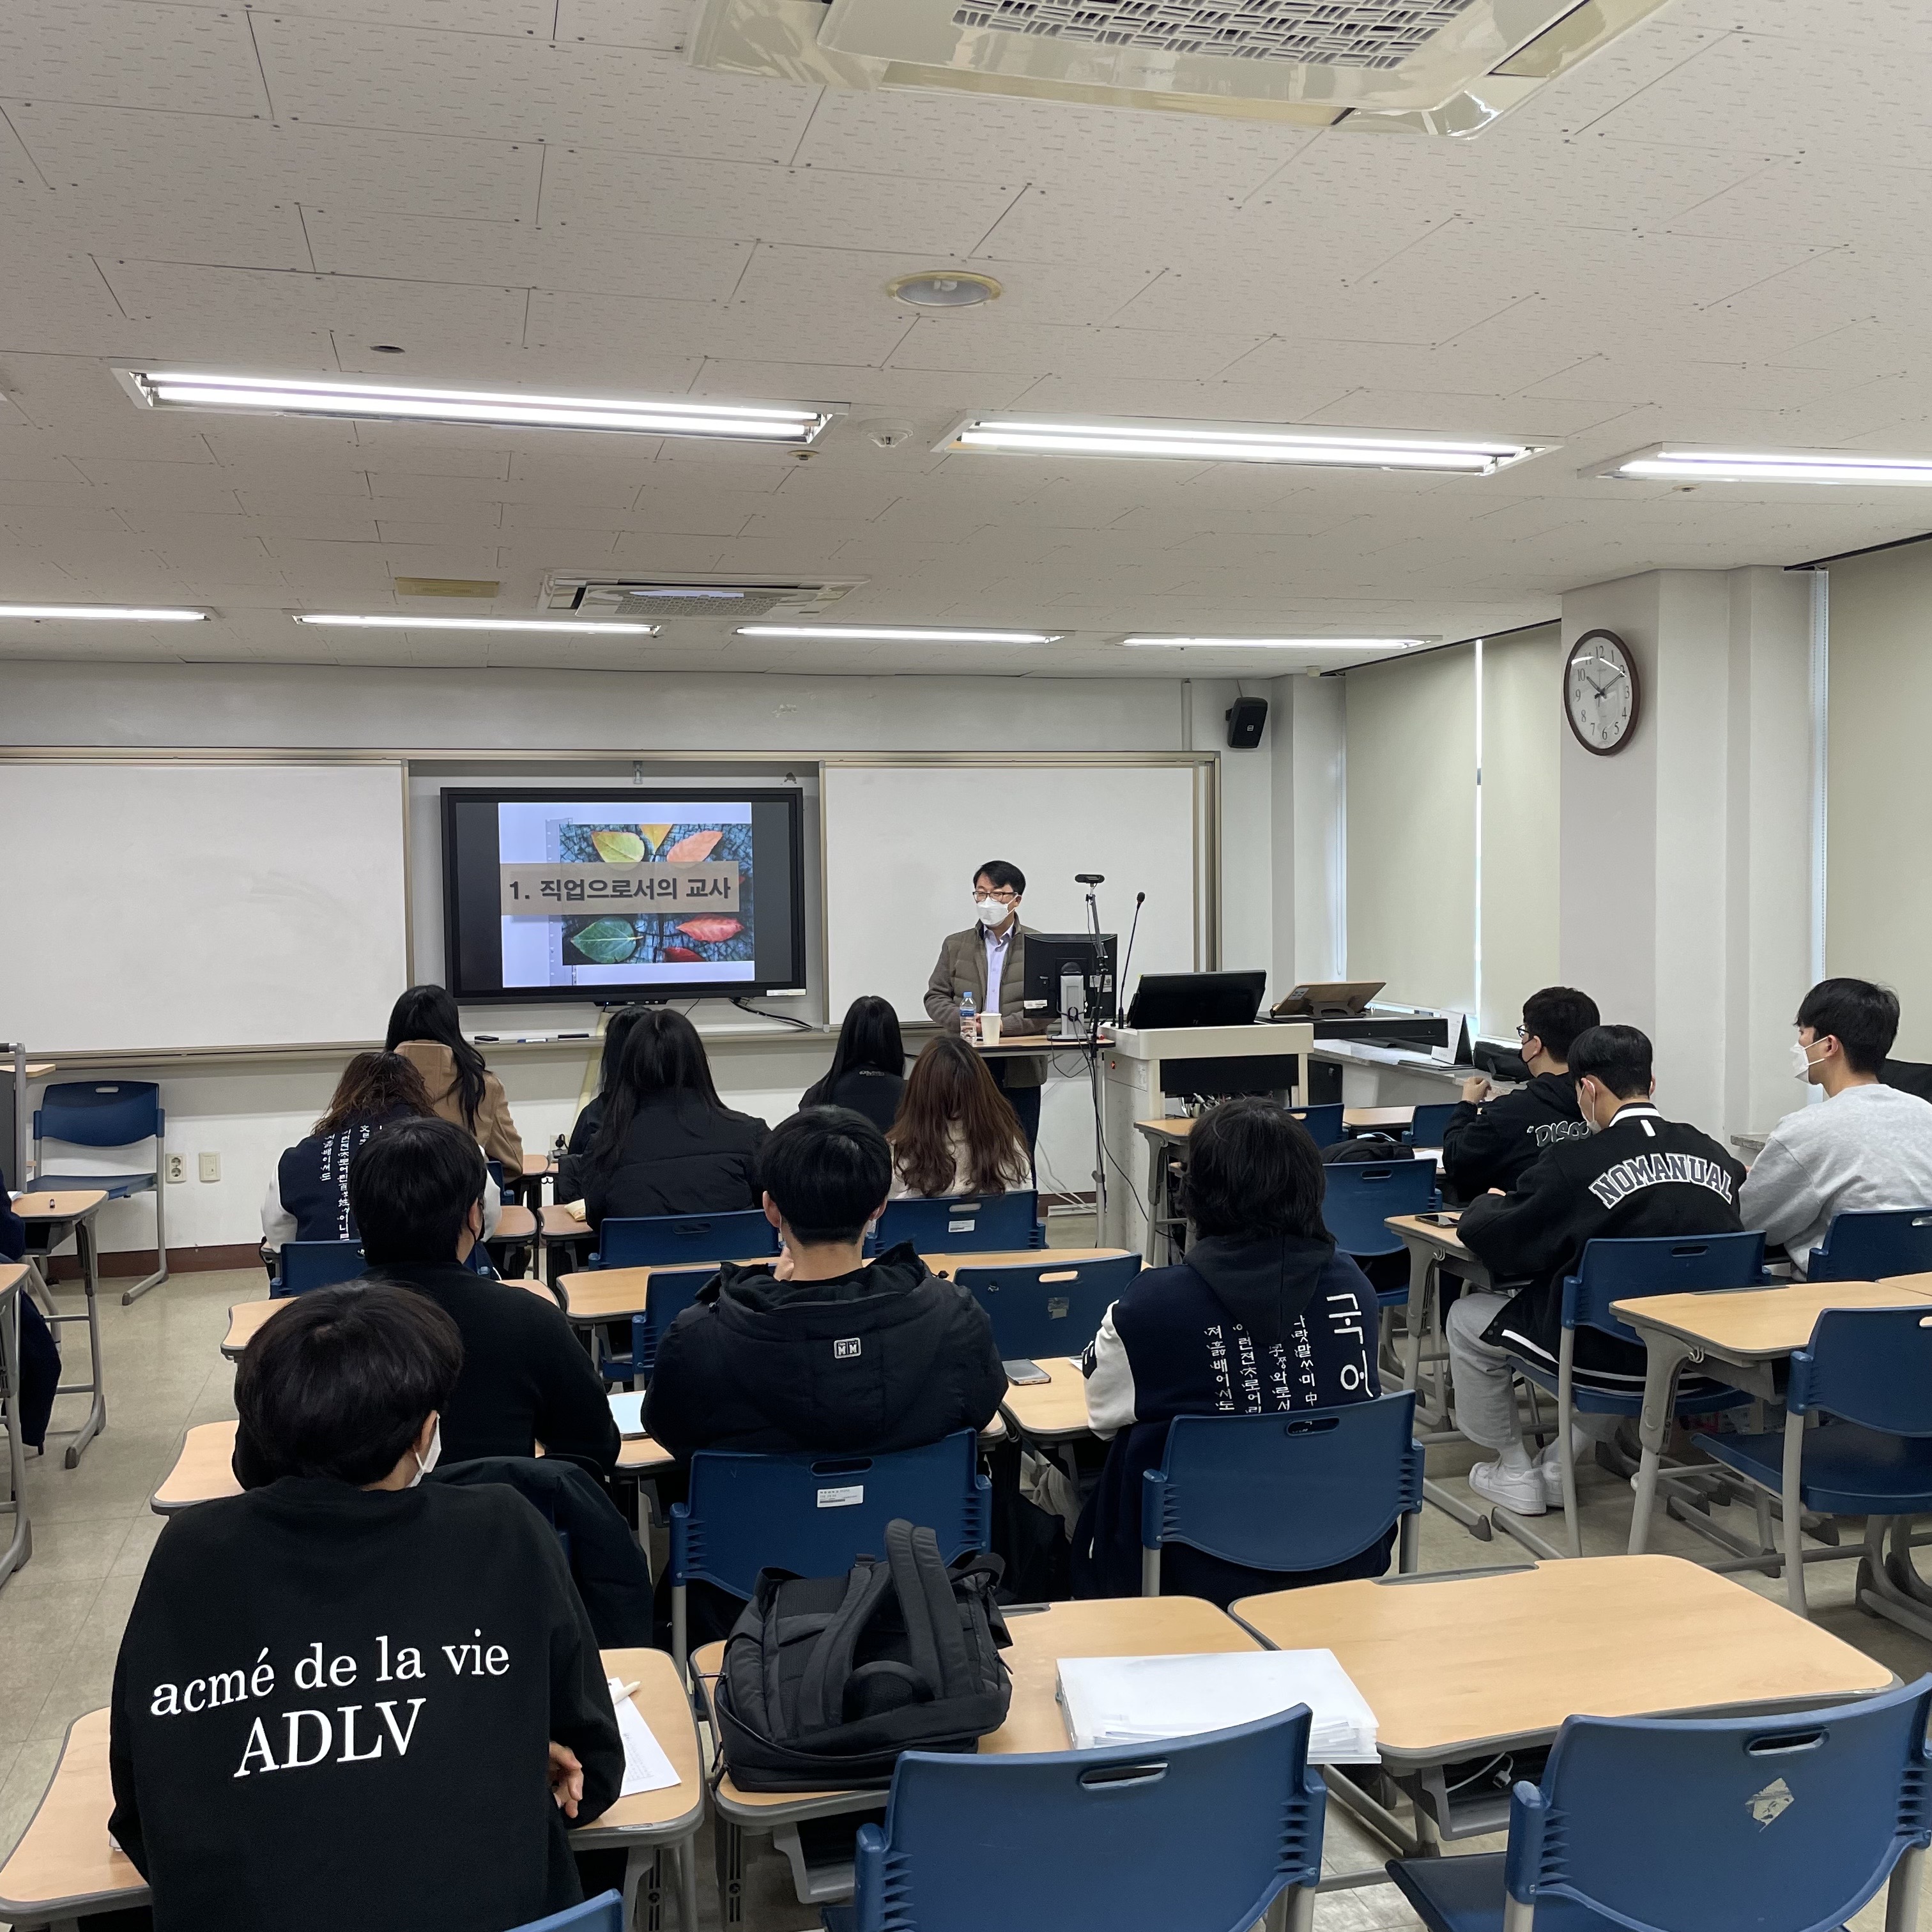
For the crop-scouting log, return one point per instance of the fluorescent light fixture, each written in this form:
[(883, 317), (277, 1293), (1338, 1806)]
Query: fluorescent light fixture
[(1663, 463), (1233, 442), (792, 424), (547, 625), (113, 613), (869, 634), (1282, 643)]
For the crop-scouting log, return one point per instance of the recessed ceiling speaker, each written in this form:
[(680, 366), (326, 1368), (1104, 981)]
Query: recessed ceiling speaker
[(1246, 719), (943, 288)]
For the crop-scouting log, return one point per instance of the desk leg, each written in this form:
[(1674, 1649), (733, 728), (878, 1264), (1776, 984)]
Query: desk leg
[(97, 1417), (1421, 1259), (1664, 1356), (687, 1884), (1901, 1902), (728, 1842), (20, 1546), (1156, 1204)]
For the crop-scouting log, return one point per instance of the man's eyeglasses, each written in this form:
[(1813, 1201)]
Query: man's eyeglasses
[(1001, 898)]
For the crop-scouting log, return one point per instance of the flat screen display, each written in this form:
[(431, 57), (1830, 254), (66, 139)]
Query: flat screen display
[(608, 894)]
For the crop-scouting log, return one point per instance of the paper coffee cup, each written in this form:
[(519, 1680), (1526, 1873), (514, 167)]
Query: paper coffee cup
[(989, 1029)]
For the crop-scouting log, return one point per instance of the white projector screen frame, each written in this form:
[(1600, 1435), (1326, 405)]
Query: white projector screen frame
[(247, 902), (902, 836)]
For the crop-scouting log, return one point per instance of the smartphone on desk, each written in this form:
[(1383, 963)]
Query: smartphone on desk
[(1442, 1220), (1025, 1375)]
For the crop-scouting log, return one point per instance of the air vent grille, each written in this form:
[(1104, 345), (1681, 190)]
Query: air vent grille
[(719, 599), (683, 602), (1369, 34)]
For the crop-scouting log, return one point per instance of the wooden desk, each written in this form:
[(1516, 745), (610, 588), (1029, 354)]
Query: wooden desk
[(513, 1224), (63, 1866), (1737, 1336), (246, 1318), (1050, 1412), (55, 1216), (559, 1225), (39, 1069), (949, 1265), (203, 1470), (1372, 1120), (1119, 1627), (1455, 1665)]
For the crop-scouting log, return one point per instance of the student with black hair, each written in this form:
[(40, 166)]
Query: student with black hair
[(346, 1697), (1634, 1173), (570, 1168), (425, 1028), (1869, 1146), (822, 1351), (1262, 1316), (868, 1070), (667, 1143), (1488, 1143), (987, 960), (416, 1191)]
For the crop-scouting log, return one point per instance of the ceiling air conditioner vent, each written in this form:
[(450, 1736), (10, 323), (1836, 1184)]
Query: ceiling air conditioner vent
[(1438, 67), (735, 600)]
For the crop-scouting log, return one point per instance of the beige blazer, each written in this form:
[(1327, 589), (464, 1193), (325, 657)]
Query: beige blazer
[(961, 968), (493, 1126)]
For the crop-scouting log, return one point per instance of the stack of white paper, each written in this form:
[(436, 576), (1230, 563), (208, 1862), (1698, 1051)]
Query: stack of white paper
[(1124, 1700), (628, 1411), (646, 1767)]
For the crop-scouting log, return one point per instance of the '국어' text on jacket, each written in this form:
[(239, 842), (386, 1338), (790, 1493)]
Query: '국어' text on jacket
[(1641, 1175), (1492, 1144)]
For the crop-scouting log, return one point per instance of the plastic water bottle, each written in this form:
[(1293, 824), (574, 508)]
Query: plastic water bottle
[(969, 1023)]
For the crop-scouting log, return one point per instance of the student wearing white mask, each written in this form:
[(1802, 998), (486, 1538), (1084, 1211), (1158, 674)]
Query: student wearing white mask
[(1869, 1146), (987, 960)]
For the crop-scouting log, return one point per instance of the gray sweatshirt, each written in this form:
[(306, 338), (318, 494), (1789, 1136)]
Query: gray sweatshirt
[(1869, 1148)]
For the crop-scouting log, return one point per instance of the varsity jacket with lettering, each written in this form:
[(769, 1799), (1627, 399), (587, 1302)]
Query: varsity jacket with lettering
[(1491, 1145), (333, 1707), (1642, 1174), (1239, 1328)]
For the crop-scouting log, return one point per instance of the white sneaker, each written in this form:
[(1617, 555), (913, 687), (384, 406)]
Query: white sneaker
[(1549, 1472), (1520, 1490)]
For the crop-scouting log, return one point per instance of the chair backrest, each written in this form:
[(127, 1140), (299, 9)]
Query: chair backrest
[(959, 1223), (1429, 1124), (1361, 1195), (1324, 1123), (816, 1515), (1784, 1824), (1202, 1832), (603, 1913), (668, 1293), (1049, 1308), (1296, 1491), (307, 1264), (647, 1240), (100, 1113), (1646, 1265), (1869, 1246), (1868, 1365)]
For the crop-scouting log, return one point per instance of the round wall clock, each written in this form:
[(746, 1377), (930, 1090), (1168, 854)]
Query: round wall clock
[(1601, 696)]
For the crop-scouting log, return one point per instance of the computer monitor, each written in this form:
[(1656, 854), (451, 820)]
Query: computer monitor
[(1197, 1000), (1070, 979)]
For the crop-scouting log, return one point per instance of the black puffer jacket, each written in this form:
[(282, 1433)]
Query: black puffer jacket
[(889, 1357), (1492, 1144), (678, 1157)]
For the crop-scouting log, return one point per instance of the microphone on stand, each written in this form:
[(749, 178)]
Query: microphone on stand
[(1120, 988)]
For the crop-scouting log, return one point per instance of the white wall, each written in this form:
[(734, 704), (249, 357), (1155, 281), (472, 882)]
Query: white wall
[(248, 1111)]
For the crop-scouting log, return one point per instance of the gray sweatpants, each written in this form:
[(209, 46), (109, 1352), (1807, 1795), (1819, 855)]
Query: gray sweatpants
[(1485, 1388)]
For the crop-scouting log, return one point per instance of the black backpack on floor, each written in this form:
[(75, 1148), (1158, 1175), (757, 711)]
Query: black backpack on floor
[(826, 1679)]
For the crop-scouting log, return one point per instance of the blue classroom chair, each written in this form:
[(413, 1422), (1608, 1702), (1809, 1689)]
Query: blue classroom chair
[(667, 1294), (1869, 1370), (307, 1264), (603, 1913), (1359, 1197), (1428, 1124), (1204, 1832), (1870, 1246), (1047, 1308), (1301, 1490), (109, 1116), (959, 1223), (1782, 1824), (1625, 1270), (657, 1241), (1324, 1123), (816, 1514)]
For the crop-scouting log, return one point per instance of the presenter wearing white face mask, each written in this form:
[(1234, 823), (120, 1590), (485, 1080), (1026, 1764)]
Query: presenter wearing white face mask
[(987, 960)]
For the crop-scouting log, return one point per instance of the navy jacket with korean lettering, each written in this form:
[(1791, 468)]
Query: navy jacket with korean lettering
[(432, 1814), (1642, 1174), (1239, 1328)]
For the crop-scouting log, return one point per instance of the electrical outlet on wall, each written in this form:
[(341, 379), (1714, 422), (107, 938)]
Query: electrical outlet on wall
[(211, 1167), (177, 1167)]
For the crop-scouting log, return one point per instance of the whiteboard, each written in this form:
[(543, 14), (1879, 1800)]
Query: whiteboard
[(180, 904), (902, 842)]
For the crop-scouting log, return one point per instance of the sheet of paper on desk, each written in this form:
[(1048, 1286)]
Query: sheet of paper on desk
[(627, 1412), (646, 1767), (1128, 1700)]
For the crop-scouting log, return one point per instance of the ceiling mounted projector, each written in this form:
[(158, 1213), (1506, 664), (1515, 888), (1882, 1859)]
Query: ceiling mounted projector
[(1436, 66)]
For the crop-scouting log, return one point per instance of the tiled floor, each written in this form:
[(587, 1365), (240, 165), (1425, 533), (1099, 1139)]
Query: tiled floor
[(60, 1617)]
